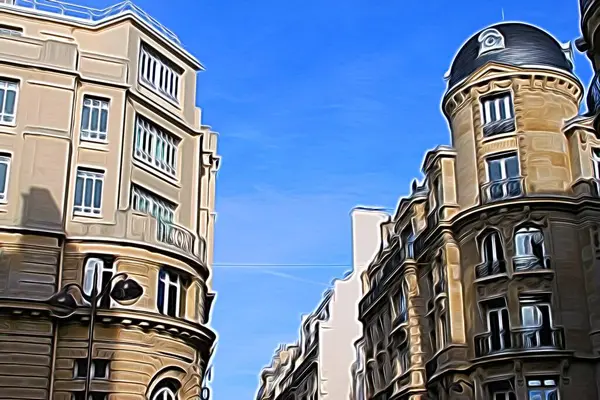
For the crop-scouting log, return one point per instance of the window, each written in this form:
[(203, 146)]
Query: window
[(8, 101), (529, 249), (159, 74), (99, 369), (536, 321), (497, 114), (503, 390), (542, 389), (104, 273), (166, 390), (441, 334), (155, 147), (4, 174), (504, 180), (92, 396), (10, 30), (403, 354), (94, 119), (157, 207), (498, 326), (492, 256), (170, 293), (88, 192), (402, 307)]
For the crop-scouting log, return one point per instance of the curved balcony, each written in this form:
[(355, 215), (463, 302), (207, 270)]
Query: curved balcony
[(502, 190), (136, 228), (519, 339)]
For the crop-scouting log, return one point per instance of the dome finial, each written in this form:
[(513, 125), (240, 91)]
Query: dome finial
[(490, 40)]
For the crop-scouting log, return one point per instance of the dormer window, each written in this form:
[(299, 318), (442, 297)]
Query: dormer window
[(497, 114), (490, 40)]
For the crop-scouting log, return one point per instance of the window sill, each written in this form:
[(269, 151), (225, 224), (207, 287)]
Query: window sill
[(9, 124), (156, 172), (93, 145), (498, 136), (491, 278), (86, 216)]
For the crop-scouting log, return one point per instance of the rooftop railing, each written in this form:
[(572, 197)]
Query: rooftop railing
[(94, 15)]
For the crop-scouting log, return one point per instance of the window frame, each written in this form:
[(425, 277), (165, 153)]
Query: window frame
[(94, 172), (100, 265), (505, 179), (149, 157), (179, 284), (502, 330), (4, 84), (105, 103), (153, 83), (543, 386), (6, 158), (505, 97)]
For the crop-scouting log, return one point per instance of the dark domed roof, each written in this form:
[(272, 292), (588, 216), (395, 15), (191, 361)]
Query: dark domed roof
[(517, 44)]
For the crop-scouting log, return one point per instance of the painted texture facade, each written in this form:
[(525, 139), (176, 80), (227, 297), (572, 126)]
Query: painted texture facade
[(487, 285), (104, 165)]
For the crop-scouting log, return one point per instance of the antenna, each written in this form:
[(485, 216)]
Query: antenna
[(503, 14)]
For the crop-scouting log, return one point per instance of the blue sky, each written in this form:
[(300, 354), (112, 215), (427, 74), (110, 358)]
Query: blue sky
[(321, 105)]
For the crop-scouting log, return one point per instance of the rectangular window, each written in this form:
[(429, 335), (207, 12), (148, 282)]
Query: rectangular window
[(504, 178), (10, 30), (502, 390), (88, 192), (8, 101), (542, 389), (4, 175), (155, 147), (536, 322), (157, 207), (497, 114), (99, 369), (499, 329), (94, 119), (171, 291), (104, 270), (158, 73)]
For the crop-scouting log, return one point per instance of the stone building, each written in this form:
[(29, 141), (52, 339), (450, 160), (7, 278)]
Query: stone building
[(488, 282), (319, 365), (105, 166)]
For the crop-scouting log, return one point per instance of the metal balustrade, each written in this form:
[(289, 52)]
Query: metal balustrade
[(94, 16), (519, 339), (502, 189)]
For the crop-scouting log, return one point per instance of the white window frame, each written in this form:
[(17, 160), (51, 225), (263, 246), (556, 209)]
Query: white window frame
[(522, 248), (166, 281), (543, 385), (502, 330), (535, 308), (494, 237), (96, 176), (500, 101), (149, 140), (100, 266), (5, 159), (9, 118), (158, 74), (100, 105), (144, 201), (505, 179), (596, 164), (11, 30)]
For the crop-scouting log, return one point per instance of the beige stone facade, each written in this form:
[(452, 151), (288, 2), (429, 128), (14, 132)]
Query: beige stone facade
[(487, 284), (105, 165)]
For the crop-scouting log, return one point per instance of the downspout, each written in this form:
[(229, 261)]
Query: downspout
[(63, 240)]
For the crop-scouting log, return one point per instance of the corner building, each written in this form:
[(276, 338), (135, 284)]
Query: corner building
[(104, 165), (488, 284)]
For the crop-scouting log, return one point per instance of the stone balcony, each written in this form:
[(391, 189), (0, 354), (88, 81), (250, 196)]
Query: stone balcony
[(131, 227)]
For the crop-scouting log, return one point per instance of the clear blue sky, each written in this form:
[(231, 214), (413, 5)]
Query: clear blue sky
[(321, 105)]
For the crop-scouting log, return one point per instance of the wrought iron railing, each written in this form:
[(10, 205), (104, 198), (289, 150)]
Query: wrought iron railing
[(502, 189), (519, 339), (490, 268), (94, 15), (530, 263)]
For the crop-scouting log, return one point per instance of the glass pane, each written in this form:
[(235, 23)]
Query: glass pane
[(492, 105), (94, 119), (3, 176), (79, 191), (494, 170), (528, 316), (88, 192), (536, 395), (496, 190), (2, 93), (85, 118), (514, 187), (97, 193), (512, 167), (10, 102), (103, 120)]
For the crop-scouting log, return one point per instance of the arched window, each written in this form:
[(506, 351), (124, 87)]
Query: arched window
[(529, 249), (166, 390), (492, 256)]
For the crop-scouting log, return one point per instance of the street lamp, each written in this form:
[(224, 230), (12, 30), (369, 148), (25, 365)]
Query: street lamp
[(126, 291)]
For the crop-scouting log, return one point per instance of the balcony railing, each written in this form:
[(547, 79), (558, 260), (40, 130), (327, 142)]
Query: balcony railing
[(530, 263), (519, 339), (499, 127), (96, 16), (502, 189), (490, 268), (132, 226)]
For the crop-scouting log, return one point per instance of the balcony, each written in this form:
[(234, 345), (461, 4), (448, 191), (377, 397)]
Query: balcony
[(488, 269), (133, 227), (93, 16), (502, 189), (499, 127), (519, 339), (530, 263)]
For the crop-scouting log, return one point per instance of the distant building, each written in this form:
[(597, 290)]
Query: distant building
[(104, 166), (319, 365), (589, 44), (488, 283)]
